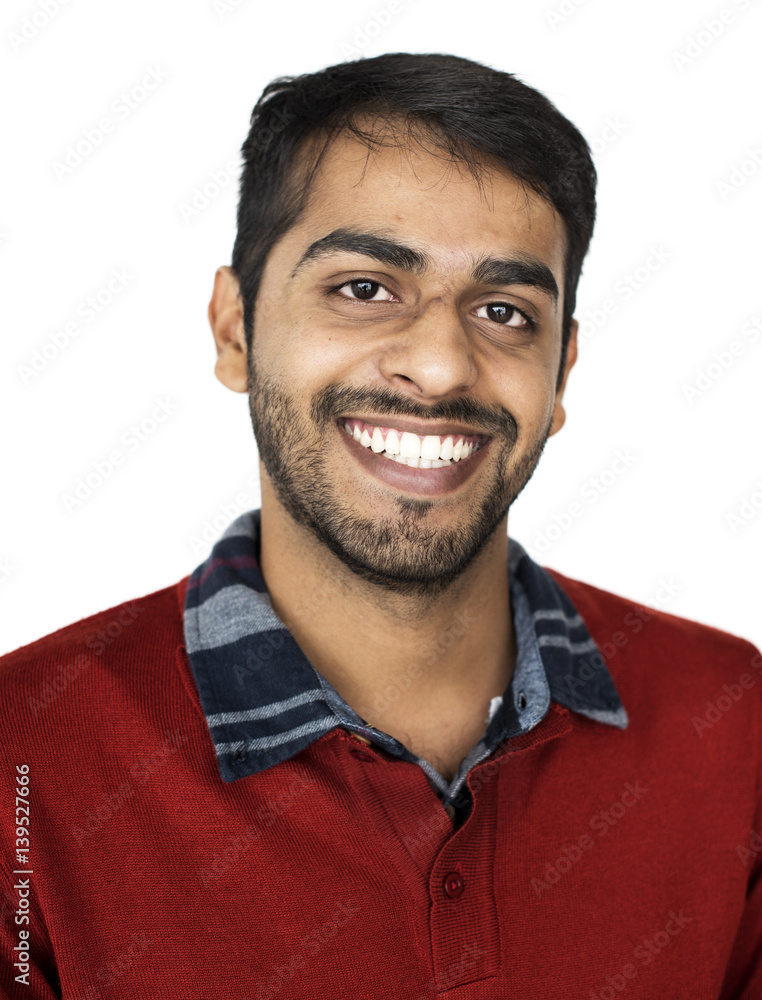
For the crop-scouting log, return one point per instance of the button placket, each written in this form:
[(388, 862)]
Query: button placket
[(463, 919)]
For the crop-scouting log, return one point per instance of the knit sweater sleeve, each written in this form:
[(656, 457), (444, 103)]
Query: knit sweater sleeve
[(27, 968), (743, 980)]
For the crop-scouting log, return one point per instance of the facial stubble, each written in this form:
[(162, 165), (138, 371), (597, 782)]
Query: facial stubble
[(404, 554)]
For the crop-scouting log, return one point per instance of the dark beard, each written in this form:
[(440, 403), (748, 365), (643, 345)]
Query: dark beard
[(402, 555)]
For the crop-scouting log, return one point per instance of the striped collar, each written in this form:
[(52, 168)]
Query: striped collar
[(264, 701)]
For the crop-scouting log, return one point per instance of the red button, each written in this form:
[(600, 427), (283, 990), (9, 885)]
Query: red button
[(361, 755), (453, 885)]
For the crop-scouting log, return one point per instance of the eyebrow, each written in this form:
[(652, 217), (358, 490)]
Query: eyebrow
[(381, 248), (521, 269)]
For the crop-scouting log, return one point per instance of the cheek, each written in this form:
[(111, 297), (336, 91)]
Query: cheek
[(308, 357), (530, 397), (542, 390)]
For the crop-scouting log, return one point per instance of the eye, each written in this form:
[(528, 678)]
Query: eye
[(503, 312), (364, 290)]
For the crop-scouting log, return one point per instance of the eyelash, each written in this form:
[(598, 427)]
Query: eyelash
[(336, 289)]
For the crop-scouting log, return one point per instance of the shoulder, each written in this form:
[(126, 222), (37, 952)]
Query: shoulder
[(121, 634), (633, 636), (683, 684)]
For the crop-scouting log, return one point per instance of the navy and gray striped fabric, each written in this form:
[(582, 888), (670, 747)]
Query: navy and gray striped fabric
[(264, 701)]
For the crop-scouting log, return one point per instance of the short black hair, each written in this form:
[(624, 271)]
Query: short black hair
[(474, 113)]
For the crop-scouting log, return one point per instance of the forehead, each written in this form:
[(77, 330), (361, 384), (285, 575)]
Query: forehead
[(419, 193)]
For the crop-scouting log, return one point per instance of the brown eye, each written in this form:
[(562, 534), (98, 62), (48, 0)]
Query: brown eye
[(364, 289), (505, 314)]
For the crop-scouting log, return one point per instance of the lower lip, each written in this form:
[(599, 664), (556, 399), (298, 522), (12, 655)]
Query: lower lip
[(427, 482)]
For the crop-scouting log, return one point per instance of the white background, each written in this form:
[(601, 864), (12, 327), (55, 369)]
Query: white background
[(681, 130)]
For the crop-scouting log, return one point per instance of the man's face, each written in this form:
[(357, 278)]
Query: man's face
[(407, 299)]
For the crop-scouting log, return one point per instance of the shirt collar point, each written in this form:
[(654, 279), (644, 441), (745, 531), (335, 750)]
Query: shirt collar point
[(615, 716)]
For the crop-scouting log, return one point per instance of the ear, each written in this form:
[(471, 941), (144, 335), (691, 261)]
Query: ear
[(559, 414), (226, 321)]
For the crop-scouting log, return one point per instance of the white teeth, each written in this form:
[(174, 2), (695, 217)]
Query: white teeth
[(392, 443), (431, 452), (410, 445), (430, 446), (377, 441)]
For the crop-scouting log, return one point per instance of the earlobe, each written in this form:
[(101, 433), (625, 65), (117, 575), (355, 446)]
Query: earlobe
[(559, 413), (226, 320)]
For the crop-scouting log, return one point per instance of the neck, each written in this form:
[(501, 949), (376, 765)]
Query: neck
[(401, 661)]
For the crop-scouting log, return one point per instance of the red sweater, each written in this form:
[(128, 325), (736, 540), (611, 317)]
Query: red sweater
[(596, 861)]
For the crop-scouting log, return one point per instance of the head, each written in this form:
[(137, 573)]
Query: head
[(421, 174)]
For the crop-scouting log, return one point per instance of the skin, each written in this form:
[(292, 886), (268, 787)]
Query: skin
[(367, 576)]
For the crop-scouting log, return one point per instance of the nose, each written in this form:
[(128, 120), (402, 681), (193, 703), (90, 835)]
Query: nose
[(433, 355)]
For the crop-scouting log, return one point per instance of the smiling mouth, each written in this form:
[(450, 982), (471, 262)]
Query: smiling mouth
[(430, 451)]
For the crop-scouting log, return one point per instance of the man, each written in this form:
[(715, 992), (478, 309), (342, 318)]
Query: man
[(368, 747)]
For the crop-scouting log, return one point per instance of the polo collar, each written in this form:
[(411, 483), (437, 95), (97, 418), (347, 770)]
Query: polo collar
[(263, 700)]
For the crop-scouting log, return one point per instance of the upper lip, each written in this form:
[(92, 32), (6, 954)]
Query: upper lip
[(422, 429)]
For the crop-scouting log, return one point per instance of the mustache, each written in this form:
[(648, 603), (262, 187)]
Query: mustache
[(335, 400)]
